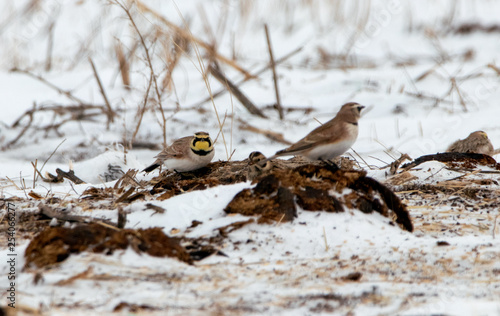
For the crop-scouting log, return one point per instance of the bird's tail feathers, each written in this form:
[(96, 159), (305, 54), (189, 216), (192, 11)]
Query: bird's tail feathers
[(151, 168)]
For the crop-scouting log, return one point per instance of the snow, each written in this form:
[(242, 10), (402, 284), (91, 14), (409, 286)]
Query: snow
[(182, 210), (293, 268)]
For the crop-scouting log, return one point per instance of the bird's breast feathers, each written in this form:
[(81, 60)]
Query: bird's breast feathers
[(330, 150), (184, 164)]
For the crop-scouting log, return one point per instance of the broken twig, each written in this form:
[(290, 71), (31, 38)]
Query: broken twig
[(217, 74), (245, 79), (471, 159), (278, 137)]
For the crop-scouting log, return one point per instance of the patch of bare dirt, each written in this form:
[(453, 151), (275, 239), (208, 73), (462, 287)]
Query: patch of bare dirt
[(56, 244)]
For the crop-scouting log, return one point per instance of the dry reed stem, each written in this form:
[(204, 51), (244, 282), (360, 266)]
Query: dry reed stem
[(52, 154), (124, 65), (495, 225), (220, 130), (203, 72), (66, 93), (25, 128), (172, 56), (360, 28), (427, 72), (11, 181), (275, 76), (245, 79), (150, 65), (327, 247), (34, 172), (364, 161), (202, 15), (238, 94), (143, 109), (422, 96), (109, 111), (189, 36), (232, 126), (76, 111), (443, 54), (50, 46), (269, 134), (459, 93), (179, 47), (495, 68), (82, 275)]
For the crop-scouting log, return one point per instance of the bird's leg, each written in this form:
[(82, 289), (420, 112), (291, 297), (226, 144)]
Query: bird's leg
[(330, 165)]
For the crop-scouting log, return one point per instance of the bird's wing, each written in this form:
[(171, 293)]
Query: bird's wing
[(175, 150), (320, 135), (454, 147)]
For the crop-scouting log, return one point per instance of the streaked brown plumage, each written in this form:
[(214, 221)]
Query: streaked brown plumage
[(477, 142), (331, 139), (257, 164)]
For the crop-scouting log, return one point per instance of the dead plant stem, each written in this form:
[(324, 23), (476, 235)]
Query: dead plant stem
[(34, 172), (275, 75), (109, 111), (150, 65), (143, 109), (66, 93), (254, 75), (203, 72), (52, 154), (326, 241), (189, 36), (30, 114)]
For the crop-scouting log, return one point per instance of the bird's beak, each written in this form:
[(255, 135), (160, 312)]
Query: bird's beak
[(361, 107)]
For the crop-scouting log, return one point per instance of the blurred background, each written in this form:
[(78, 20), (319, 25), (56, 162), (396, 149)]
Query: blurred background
[(129, 76)]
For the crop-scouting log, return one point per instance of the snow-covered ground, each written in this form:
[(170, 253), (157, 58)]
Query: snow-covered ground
[(425, 80)]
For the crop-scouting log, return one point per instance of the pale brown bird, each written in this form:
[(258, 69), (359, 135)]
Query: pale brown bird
[(257, 164), (186, 154), (477, 142), (331, 139)]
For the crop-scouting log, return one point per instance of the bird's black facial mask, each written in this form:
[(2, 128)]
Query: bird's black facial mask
[(201, 145)]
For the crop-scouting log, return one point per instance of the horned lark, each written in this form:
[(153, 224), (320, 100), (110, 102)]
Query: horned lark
[(186, 154), (331, 139), (257, 164), (477, 142)]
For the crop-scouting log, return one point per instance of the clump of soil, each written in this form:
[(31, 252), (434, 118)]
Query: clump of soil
[(217, 173), (171, 183), (55, 244), (317, 187), (312, 186), (269, 199)]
